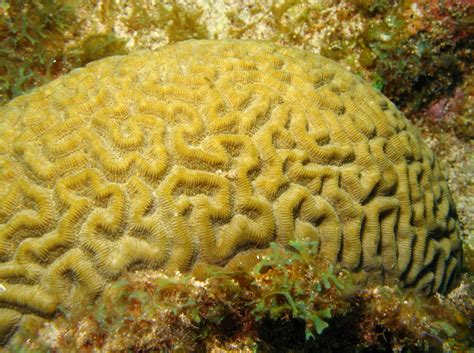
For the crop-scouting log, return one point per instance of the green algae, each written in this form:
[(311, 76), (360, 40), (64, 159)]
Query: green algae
[(32, 34), (97, 46), (372, 7), (288, 20), (178, 21), (292, 301)]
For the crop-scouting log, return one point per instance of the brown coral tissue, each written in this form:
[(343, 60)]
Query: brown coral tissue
[(204, 152)]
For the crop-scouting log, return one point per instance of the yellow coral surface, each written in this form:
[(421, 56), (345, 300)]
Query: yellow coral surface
[(204, 150)]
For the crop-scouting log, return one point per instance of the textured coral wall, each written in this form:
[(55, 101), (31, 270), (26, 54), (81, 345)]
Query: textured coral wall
[(203, 150)]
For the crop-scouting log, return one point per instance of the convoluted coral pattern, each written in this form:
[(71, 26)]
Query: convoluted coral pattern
[(204, 150)]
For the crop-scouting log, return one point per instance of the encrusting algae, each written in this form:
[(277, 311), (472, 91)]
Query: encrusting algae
[(202, 154)]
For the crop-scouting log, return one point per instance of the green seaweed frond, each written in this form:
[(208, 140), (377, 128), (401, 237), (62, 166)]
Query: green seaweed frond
[(299, 283), (97, 46), (292, 300), (32, 34), (180, 22)]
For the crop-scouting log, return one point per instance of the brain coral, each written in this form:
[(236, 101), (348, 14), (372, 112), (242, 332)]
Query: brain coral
[(203, 151)]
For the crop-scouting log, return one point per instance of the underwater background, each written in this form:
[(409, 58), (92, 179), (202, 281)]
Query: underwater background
[(418, 53)]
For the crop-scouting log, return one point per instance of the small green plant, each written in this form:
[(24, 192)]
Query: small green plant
[(180, 22), (225, 310), (32, 34), (97, 46), (300, 281)]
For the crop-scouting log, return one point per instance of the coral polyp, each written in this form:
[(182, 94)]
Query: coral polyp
[(203, 153)]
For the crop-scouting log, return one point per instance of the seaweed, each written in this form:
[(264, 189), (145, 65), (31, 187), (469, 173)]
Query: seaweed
[(288, 20), (178, 21), (95, 47), (292, 301), (32, 34)]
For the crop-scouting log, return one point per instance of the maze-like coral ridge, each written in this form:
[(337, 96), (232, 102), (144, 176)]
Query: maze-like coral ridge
[(204, 150)]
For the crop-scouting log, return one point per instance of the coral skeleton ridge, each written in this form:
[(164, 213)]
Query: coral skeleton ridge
[(205, 150)]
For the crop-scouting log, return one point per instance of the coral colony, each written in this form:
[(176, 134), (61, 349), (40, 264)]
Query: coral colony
[(272, 177)]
